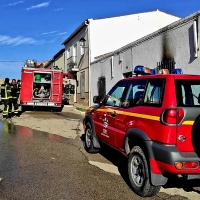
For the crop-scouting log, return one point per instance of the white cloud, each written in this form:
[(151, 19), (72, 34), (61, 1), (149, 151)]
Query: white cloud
[(58, 9), (41, 5), (63, 33), (7, 40), (15, 3), (47, 33)]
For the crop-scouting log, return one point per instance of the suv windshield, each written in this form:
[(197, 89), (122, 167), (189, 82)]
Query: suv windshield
[(187, 92)]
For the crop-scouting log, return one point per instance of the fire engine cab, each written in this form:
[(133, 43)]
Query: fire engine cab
[(41, 87)]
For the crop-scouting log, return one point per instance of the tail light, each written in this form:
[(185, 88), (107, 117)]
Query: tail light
[(191, 165), (172, 116), (187, 165)]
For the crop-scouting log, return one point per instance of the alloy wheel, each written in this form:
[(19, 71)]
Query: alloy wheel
[(137, 171), (88, 137)]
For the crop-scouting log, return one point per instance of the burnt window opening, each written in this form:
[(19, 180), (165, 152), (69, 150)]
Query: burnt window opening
[(166, 64)]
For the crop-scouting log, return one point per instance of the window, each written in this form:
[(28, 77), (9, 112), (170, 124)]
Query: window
[(112, 67), (115, 94), (187, 92), (75, 53), (166, 64), (82, 49), (68, 53), (154, 92), (102, 87), (134, 94), (82, 85)]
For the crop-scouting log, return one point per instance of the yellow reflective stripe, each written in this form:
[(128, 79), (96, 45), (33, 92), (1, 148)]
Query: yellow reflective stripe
[(188, 122), (151, 117)]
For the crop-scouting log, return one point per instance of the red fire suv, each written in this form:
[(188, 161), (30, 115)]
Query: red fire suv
[(154, 119)]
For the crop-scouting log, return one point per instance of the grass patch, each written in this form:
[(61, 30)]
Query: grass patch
[(81, 109)]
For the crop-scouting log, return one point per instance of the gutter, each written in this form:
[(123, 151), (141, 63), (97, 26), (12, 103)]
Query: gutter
[(89, 57)]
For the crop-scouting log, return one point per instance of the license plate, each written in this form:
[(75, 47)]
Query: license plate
[(40, 103)]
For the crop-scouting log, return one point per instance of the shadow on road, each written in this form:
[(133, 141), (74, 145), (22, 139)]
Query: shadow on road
[(121, 162), (117, 159)]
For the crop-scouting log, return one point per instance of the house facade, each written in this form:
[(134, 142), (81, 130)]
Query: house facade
[(57, 60), (102, 36), (174, 46)]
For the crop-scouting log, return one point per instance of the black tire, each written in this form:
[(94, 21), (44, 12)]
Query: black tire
[(139, 176), (66, 101), (23, 108), (88, 140), (196, 136), (58, 109)]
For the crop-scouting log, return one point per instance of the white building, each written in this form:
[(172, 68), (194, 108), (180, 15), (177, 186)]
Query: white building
[(103, 36), (174, 46)]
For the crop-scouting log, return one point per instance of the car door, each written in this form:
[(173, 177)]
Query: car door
[(108, 112), (131, 102)]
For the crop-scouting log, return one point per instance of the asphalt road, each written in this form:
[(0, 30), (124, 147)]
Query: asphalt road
[(38, 165)]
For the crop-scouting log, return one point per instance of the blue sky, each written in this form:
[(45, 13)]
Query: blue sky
[(35, 29)]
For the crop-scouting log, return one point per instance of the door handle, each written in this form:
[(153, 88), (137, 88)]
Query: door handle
[(113, 114)]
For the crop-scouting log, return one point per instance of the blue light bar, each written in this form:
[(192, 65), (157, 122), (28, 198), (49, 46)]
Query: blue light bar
[(141, 70), (152, 71), (177, 71)]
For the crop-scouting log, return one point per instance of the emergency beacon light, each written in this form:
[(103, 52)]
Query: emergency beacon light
[(177, 71), (152, 71), (141, 70)]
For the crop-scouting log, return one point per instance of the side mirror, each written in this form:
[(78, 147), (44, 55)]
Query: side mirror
[(96, 99)]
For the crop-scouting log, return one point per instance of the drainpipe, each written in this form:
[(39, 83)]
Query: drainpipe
[(195, 39), (87, 22)]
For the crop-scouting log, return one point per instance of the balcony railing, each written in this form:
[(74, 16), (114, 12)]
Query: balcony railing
[(72, 64)]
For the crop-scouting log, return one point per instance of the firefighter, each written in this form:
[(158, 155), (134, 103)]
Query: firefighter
[(18, 91), (14, 94), (6, 98)]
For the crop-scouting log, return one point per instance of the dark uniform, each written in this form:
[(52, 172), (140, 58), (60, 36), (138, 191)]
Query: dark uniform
[(15, 95), (6, 98), (18, 92)]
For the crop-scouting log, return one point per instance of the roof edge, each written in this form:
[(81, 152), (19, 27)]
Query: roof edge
[(150, 36), (83, 24), (139, 13), (58, 53)]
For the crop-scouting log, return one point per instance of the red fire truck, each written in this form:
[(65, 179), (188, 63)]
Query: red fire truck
[(41, 87)]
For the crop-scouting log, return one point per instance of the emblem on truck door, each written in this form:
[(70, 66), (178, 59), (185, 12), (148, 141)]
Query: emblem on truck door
[(105, 125)]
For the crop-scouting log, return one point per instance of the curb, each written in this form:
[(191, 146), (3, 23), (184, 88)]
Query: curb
[(82, 113)]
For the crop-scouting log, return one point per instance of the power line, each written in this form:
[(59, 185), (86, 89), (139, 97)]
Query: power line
[(11, 61)]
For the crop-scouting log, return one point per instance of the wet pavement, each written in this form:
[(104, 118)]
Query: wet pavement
[(57, 115), (39, 165)]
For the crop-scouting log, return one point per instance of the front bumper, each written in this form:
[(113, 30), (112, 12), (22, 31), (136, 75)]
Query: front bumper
[(48, 104)]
